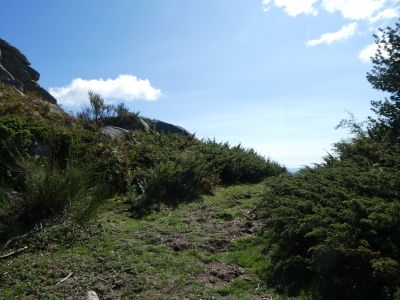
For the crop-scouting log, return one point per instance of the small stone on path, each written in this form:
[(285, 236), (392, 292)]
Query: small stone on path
[(92, 295)]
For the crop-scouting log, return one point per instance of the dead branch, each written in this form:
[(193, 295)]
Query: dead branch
[(15, 239), (14, 252), (38, 227), (65, 278)]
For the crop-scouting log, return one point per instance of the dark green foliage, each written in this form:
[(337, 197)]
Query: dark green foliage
[(47, 192), (121, 110), (149, 168), (173, 168), (42, 175), (237, 164), (23, 135), (154, 168), (333, 231), (330, 229), (129, 121), (385, 76), (180, 178)]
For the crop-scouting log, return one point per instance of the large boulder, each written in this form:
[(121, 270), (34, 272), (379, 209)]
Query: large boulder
[(15, 70), (114, 132), (161, 126)]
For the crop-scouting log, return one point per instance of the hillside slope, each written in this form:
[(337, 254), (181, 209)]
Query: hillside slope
[(201, 250), (117, 204)]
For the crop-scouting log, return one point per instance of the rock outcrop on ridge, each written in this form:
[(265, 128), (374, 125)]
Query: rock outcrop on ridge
[(15, 70), (165, 127)]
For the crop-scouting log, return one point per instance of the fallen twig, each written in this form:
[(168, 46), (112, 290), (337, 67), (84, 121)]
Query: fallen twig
[(38, 227), (167, 216), (65, 278), (258, 286), (14, 239), (14, 252)]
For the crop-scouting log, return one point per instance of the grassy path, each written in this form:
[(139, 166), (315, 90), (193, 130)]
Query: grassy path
[(201, 250)]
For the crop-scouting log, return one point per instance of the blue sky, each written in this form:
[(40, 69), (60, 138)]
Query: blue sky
[(274, 75)]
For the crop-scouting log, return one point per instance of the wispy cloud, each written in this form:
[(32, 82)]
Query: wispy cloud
[(293, 7), (344, 33), (354, 9), (386, 14), (365, 15), (125, 88)]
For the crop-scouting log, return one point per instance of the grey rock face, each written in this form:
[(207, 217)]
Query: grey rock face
[(161, 126), (114, 132), (144, 125), (15, 70)]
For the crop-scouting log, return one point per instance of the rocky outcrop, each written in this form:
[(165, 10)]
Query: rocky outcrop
[(114, 132), (161, 126), (144, 125), (15, 70)]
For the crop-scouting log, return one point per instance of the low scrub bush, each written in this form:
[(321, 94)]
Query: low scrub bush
[(149, 167), (173, 168), (181, 178), (50, 192), (333, 231), (20, 136), (237, 164)]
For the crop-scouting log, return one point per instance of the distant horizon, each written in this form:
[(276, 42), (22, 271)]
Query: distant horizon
[(275, 76)]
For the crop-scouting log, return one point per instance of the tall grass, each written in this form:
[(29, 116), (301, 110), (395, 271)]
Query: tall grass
[(50, 193)]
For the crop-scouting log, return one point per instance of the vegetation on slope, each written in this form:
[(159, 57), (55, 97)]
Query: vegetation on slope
[(201, 250), (53, 165), (333, 231)]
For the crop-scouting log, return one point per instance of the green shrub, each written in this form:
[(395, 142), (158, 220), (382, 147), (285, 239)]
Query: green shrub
[(48, 192), (180, 178), (237, 164), (173, 168), (17, 136), (333, 231)]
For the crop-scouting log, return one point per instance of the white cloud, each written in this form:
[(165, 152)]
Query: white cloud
[(354, 9), (328, 38), (370, 50), (388, 13), (293, 7), (364, 13), (296, 7), (367, 52), (265, 4), (349, 9), (125, 88)]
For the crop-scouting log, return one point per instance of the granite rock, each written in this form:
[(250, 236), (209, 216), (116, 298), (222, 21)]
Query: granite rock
[(15, 70)]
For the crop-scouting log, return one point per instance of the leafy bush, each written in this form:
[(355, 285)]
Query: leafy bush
[(97, 111)]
